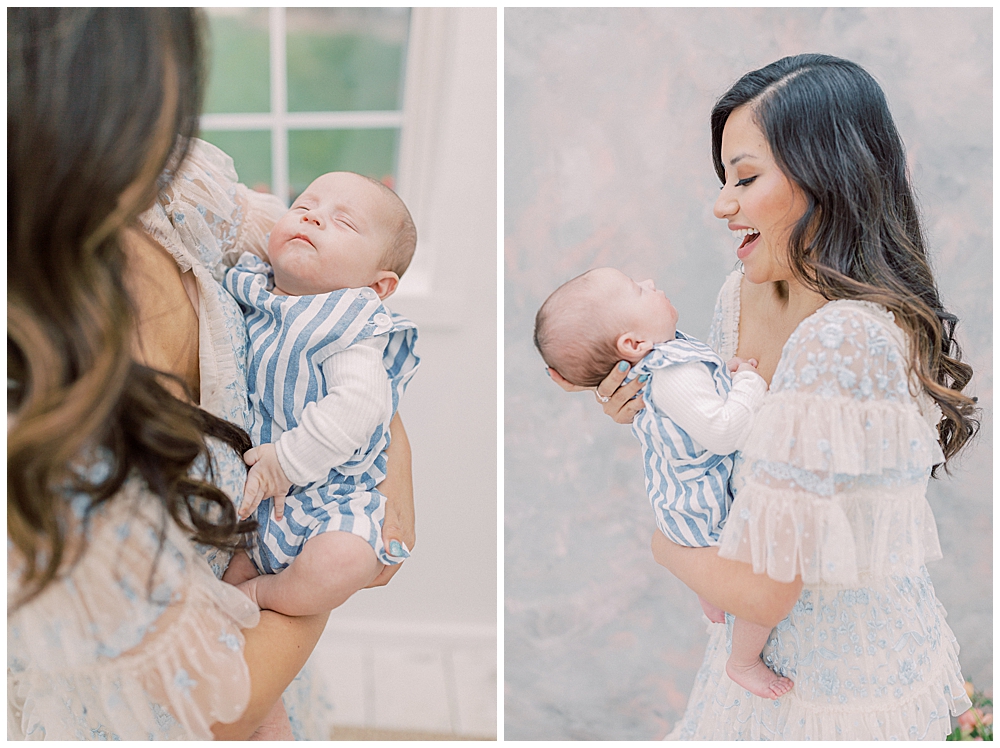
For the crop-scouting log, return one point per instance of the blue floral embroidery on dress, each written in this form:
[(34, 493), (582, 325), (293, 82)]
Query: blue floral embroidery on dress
[(184, 683), (880, 649), (164, 720)]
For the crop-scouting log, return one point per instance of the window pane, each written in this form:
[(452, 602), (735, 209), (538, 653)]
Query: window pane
[(239, 54), (346, 59), (251, 152), (315, 152)]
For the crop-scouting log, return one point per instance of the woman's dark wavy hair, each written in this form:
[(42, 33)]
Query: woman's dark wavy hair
[(86, 119), (830, 131)]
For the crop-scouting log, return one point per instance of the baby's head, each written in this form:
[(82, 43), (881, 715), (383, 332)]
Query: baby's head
[(344, 231), (599, 318)]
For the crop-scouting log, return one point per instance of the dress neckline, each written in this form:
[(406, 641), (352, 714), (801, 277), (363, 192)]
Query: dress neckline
[(735, 331)]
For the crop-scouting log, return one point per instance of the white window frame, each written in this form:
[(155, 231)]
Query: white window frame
[(279, 120), (426, 78)]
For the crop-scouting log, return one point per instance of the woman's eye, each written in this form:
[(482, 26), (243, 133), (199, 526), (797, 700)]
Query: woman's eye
[(745, 182)]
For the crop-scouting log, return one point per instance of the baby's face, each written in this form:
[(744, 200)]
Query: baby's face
[(333, 237), (639, 307)]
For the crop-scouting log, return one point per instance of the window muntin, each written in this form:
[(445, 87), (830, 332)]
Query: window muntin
[(334, 88)]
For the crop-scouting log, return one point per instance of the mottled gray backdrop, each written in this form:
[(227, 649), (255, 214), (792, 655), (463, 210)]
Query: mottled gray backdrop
[(607, 162)]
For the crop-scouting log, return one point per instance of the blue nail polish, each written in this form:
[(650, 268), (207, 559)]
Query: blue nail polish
[(623, 366), (547, 373), (397, 550), (643, 377)]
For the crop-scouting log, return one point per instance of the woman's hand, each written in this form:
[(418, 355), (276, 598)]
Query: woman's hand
[(399, 525), (620, 404), (730, 585)]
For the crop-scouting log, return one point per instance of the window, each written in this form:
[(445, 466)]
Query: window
[(294, 93)]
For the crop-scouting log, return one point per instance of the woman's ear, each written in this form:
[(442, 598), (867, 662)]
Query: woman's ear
[(385, 284), (632, 347)]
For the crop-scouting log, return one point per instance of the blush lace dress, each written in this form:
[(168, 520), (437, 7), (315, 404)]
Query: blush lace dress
[(831, 486), (139, 642)]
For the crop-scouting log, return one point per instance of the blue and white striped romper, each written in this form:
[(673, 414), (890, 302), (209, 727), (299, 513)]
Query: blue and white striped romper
[(290, 337), (687, 485)]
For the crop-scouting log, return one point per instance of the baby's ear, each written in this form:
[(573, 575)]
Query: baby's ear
[(385, 284), (632, 347)]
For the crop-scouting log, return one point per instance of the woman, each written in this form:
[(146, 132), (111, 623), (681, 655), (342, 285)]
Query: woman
[(830, 529), (117, 626)]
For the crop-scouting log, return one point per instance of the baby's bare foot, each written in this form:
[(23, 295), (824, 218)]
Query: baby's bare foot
[(249, 588), (759, 679), (275, 725), (240, 569), (714, 613)]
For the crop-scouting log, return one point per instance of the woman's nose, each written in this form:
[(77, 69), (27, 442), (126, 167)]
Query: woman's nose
[(726, 205)]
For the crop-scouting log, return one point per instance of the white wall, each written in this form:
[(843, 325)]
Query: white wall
[(448, 587)]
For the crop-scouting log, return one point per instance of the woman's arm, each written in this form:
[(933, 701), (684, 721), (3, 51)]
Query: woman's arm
[(276, 649), (731, 585), (400, 521)]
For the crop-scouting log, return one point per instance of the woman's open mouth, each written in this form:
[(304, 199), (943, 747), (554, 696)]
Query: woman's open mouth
[(749, 240)]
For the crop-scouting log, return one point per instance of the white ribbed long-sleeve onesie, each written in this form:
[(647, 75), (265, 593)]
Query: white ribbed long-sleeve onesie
[(687, 393), (334, 427)]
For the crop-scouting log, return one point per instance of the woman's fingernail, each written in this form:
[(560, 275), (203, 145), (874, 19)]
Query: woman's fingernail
[(623, 366), (547, 373), (643, 377), (395, 548)]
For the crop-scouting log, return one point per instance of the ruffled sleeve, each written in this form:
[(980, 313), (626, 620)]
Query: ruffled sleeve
[(832, 481), (206, 219), (132, 643), (724, 330), (206, 216)]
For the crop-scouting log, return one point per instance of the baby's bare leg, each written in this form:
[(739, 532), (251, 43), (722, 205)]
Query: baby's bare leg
[(240, 569), (331, 568), (745, 666)]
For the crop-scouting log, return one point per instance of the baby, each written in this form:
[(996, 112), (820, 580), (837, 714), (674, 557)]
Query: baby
[(327, 365), (695, 417)]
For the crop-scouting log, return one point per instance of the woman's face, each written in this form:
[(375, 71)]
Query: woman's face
[(760, 204)]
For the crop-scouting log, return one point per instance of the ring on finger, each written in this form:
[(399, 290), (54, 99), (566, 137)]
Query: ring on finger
[(601, 398)]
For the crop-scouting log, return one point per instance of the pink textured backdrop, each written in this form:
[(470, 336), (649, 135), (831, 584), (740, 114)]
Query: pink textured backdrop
[(607, 162)]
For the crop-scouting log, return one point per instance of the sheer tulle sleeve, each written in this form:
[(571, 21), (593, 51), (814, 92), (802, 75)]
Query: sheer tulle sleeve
[(208, 213), (831, 483), (723, 332), (206, 219), (133, 643)]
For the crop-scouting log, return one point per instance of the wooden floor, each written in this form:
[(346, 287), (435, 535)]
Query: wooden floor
[(364, 733)]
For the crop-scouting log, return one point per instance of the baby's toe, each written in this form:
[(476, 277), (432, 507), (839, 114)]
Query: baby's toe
[(781, 686)]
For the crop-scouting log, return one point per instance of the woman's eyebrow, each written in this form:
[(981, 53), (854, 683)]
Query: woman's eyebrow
[(735, 159)]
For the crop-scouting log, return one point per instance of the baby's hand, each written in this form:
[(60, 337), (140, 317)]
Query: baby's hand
[(265, 480), (737, 364)]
